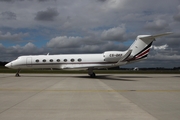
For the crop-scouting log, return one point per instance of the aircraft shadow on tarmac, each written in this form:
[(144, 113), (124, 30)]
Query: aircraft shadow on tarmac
[(108, 77), (101, 77), (176, 76)]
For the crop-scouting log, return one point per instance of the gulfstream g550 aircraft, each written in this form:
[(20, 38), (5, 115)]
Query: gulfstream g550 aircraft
[(136, 52)]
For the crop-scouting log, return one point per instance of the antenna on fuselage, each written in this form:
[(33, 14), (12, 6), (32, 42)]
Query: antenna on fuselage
[(48, 54)]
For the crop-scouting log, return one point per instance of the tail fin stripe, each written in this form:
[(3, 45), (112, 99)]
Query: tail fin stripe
[(143, 53), (142, 57), (144, 49)]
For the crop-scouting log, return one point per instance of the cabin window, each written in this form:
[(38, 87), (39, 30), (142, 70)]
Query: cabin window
[(79, 60), (51, 60), (65, 60), (72, 60), (37, 60), (58, 60), (44, 60)]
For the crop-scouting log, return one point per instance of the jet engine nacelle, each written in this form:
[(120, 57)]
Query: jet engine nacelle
[(113, 56)]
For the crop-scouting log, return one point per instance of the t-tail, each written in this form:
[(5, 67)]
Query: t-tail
[(141, 46)]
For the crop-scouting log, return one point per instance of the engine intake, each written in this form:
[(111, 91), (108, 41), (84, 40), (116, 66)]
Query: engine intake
[(113, 56)]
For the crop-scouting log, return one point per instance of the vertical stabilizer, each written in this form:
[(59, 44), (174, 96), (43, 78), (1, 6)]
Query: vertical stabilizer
[(141, 46)]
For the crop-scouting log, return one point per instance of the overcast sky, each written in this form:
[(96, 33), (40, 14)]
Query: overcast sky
[(33, 27)]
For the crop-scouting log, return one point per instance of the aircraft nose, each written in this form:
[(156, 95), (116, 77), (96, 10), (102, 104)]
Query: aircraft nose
[(8, 65)]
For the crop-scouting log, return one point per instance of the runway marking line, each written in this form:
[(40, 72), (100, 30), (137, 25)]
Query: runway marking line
[(58, 90)]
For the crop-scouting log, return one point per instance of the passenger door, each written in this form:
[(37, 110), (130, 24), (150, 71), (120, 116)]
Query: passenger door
[(29, 62)]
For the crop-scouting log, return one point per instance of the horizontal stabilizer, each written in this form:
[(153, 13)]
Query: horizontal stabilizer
[(125, 56), (159, 35), (146, 37)]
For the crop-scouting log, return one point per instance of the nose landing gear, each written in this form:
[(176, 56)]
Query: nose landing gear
[(17, 73)]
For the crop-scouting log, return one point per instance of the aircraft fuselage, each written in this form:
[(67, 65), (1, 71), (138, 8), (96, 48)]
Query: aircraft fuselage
[(70, 61)]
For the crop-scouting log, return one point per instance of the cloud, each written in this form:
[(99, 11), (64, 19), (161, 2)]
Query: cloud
[(164, 57), (177, 16), (10, 0), (43, 0), (24, 0), (162, 47), (114, 34), (156, 25), (49, 15), (28, 49), (102, 0), (79, 46), (106, 40), (112, 4), (10, 53), (7, 0), (12, 37), (163, 53), (64, 42), (8, 15)]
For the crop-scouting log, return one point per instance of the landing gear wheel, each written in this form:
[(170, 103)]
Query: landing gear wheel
[(93, 75), (17, 73)]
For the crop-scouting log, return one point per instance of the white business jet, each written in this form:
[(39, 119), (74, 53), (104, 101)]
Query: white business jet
[(136, 52)]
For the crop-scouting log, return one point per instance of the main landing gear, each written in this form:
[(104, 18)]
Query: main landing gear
[(91, 73), (17, 73)]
